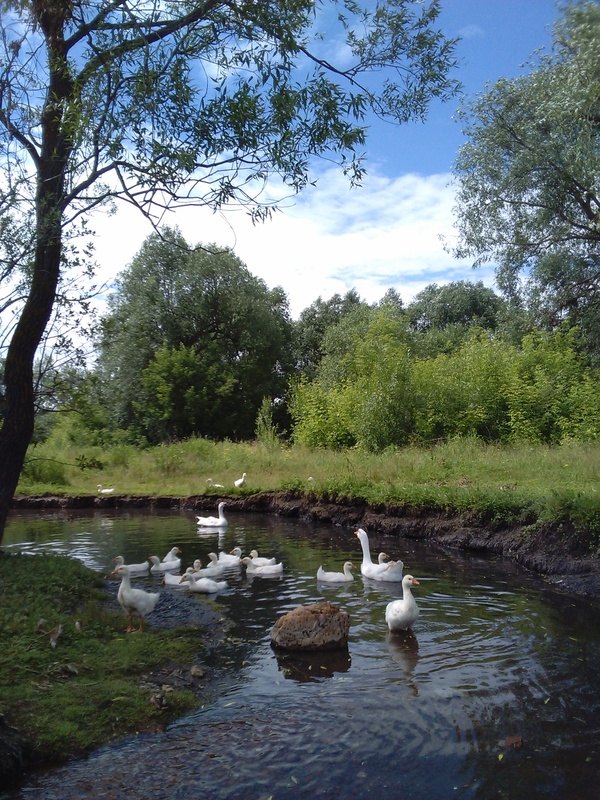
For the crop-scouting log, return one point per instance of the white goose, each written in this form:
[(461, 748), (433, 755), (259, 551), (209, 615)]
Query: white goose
[(231, 559), (135, 602), (214, 485), (164, 566), (203, 585), (214, 522), (240, 481), (212, 570), (134, 569), (173, 555), (400, 615), (261, 562), (336, 577), (266, 571), (105, 491), (174, 578), (391, 571)]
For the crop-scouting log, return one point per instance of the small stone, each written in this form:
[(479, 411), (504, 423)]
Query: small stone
[(319, 626)]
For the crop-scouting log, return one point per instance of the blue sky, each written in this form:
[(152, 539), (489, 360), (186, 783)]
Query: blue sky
[(387, 233)]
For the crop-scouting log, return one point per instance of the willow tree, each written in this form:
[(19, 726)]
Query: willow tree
[(159, 102), (528, 175)]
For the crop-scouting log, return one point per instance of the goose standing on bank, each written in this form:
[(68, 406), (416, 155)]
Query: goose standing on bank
[(105, 491), (213, 522), (240, 481), (135, 602), (400, 615), (214, 485), (391, 571)]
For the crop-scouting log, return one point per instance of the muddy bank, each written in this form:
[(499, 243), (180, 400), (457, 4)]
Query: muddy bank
[(564, 555)]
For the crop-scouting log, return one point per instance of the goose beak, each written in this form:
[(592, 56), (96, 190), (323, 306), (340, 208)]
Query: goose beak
[(415, 582)]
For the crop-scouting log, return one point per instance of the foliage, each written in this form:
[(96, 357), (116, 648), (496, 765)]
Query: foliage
[(528, 175), (192, 344)]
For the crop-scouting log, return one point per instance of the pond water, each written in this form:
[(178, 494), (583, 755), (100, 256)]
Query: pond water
[(494, 695)]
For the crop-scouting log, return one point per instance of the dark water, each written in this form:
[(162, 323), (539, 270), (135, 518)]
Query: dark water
[(496, 658)]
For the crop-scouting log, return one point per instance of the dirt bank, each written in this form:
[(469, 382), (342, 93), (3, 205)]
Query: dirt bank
[(565, 556)]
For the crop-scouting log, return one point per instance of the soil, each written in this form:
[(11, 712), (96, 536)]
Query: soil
[(565, 556)]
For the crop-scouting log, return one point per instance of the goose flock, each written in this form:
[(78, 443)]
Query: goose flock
[(400, 614)]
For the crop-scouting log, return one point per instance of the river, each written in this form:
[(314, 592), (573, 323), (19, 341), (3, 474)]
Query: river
[(493, 695)]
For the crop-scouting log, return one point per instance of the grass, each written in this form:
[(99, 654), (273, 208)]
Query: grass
[(92, 685), (497, 482)]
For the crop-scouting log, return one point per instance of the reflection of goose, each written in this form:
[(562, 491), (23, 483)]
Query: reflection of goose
[(240, 481), (404, 647), (203, 585), (105, 491), (231, 559), (261, 562), (164, 566), (400, 615), (214, 522), (377, 572), (214, 485), (134, 569), (266, 571), (135, 602), (336, 577)]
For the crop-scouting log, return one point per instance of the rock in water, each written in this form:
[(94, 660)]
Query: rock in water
[(319, 626)]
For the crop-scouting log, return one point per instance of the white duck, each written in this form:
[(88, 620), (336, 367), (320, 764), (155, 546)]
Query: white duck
[(173, 555), (261, 562), (391, 571), (174, 578), (203, 585), (158, 566), (336, 577), (135, 602), (214, 522), (231, 559), (105, 491), (212, 570), (400, 615), (134, 569), (240, 481), (214, 485), (266, 571)]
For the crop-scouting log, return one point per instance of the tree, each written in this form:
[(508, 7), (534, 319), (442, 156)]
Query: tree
[(528, 176), (192, 343), (164, 101)]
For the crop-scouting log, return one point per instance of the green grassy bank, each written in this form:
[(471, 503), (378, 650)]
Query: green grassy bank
[(505, 484), (70, 678)]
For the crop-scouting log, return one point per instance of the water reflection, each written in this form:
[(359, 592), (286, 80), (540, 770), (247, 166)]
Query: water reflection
[(495, 657)]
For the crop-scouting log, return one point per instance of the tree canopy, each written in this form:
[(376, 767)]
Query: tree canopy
[(529, 174), (160, 102)]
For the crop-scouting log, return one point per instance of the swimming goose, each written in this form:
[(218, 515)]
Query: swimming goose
[(261, 562), (203, 585), (231, 559), (400, 615), (212, 570), (134, 569), (135, 602), (164, 566), (214, 522), (172, 555), (378, 572), (174, 578), (336, 577), (266, 571)]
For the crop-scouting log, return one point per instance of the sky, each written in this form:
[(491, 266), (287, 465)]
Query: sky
[(388, 233)]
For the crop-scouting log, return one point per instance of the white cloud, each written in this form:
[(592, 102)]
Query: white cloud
[(384, 234)]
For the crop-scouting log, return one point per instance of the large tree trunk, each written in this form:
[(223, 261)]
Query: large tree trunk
[(51, 162), (17, 425)]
